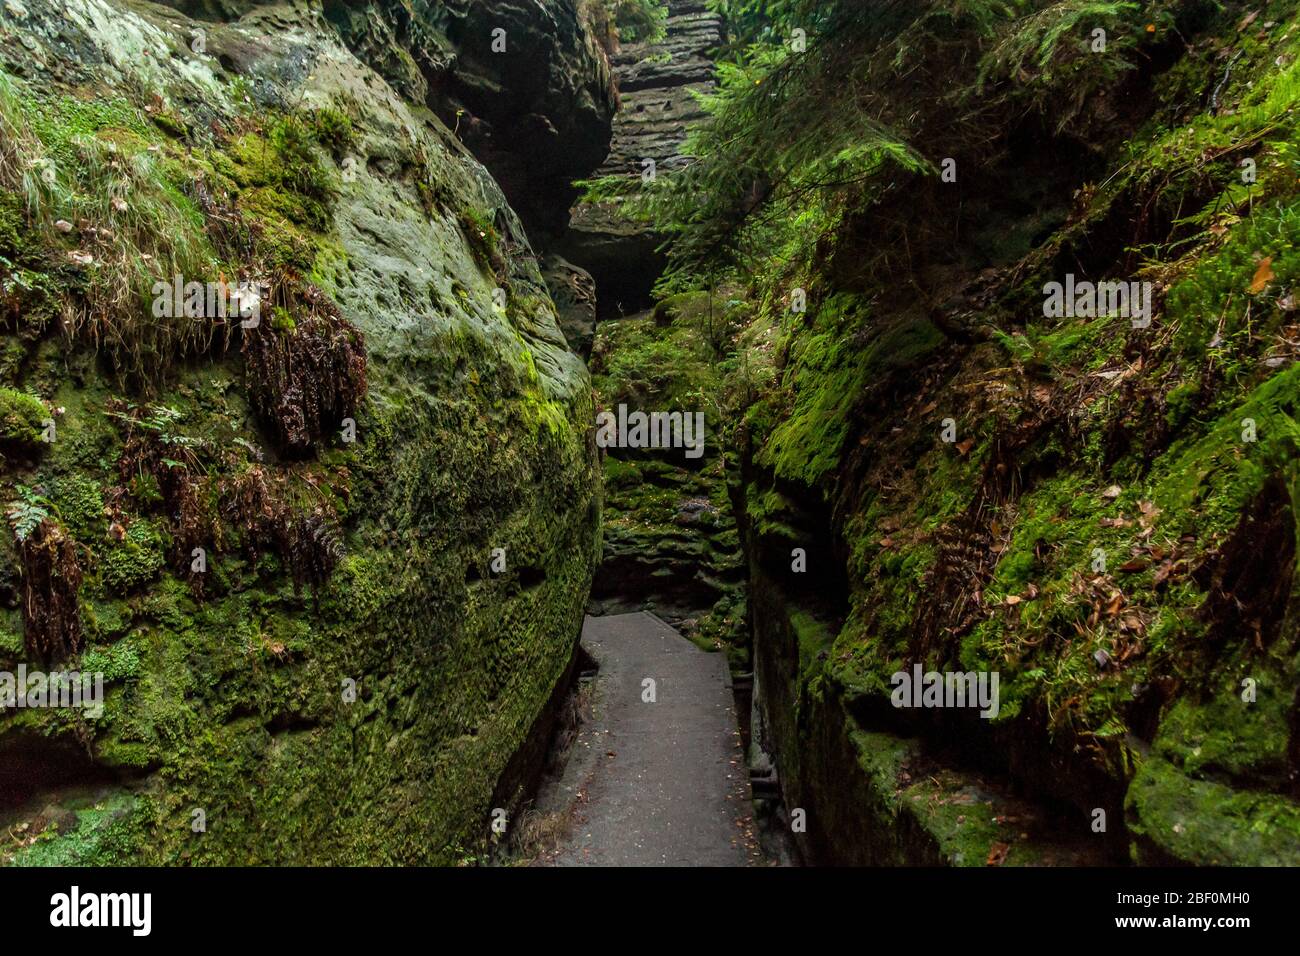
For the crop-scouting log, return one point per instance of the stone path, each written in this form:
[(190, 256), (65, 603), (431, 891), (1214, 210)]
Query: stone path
[(662, 783)]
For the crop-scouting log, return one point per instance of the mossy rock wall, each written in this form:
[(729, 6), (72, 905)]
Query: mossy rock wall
[(670, 539), (1102, 513), (366, 715)]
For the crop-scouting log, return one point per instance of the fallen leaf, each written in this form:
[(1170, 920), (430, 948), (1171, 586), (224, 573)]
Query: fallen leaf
[(1131, 622), (1263, 276), (963, 448), (997, 854), (1113, 492)]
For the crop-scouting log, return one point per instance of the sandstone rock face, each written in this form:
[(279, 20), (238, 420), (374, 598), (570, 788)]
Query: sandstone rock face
[(657, 85), (574, 293), (522, 83), (381, 622), (656, 81)]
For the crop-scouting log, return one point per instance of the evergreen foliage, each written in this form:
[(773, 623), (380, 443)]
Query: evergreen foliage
[(820, 103)]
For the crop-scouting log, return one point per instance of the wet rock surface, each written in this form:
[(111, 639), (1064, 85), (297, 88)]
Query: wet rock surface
[(574, 292)]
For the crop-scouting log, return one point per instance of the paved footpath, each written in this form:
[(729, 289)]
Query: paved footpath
[(662, 783)]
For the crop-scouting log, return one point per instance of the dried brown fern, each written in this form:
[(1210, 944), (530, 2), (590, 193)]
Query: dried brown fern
[(51, 578), (303, 381)]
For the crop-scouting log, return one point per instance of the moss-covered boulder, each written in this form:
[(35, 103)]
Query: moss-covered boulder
[(334, 542)]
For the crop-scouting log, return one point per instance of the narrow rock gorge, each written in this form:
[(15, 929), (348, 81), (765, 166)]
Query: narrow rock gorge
[(322, 324), (992, 306), (670, 538)]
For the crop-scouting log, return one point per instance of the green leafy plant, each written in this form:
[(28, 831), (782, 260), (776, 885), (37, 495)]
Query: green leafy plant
[(27, 511), (630, 21), (640, 20)]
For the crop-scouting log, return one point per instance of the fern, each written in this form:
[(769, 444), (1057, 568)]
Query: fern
[(27, 512)]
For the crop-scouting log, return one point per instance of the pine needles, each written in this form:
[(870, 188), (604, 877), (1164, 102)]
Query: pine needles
[(1055, 59)]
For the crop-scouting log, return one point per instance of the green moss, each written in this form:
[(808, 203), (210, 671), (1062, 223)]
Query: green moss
[(621, 474), (134, 561), (330, 268), (60, 122), (1226, 735), (115, 661), (827, 377), (333, 129), (104, 834), (13, 225), (81, 504), (1084, 344), (942, 815), (22, 419), (226, 690), (284, 185), (1204, 482), (814, 638), (11, 643), (650, 367), (1206, 823), (110, 619)]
